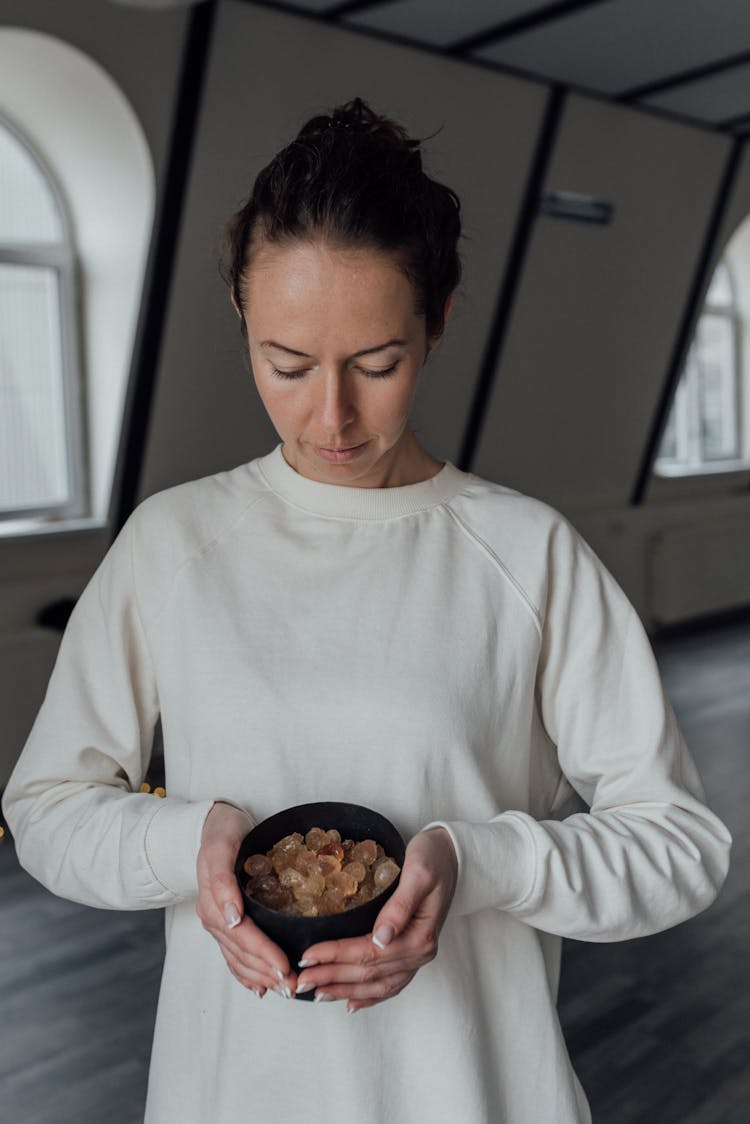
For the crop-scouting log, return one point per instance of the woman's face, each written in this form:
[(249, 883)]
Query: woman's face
[(336, 350)]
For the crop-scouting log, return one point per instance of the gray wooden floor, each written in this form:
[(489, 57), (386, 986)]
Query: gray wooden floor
[(659, 1029)]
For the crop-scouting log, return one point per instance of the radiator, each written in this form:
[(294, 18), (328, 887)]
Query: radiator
[(699, 569)]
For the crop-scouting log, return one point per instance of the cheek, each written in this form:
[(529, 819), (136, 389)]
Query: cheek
[(399, 402)]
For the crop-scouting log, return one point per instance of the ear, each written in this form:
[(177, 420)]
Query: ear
[(234, 304), (446, 313)]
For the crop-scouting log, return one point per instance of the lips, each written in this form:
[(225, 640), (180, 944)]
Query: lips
[(341, 455)]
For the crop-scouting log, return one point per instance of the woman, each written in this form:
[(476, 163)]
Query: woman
[(350, 618)]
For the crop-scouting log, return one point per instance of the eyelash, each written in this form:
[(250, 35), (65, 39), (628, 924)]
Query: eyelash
[(292, 375)]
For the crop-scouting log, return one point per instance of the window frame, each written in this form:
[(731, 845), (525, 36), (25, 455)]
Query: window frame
[(60, 257), (667, 468)]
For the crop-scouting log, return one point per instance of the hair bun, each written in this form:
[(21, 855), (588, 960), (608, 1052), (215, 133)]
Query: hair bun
[(357, 118)]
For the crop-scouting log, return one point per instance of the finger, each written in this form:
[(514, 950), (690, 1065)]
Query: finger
[(252, 980), (348, 950), (250, 962), (227, 897), (400, 909), (376, 991), (411, 948), (407, 953), (371, 964), (248, 942)]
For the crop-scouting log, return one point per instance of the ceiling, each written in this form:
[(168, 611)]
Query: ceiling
[(687, 58)]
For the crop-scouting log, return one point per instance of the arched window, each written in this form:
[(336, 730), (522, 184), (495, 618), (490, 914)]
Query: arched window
[(77, 194), (40, 379), (705, 431)]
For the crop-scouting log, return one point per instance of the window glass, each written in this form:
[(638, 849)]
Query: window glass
[(35, 265), (703, 430), (720, 289), (28, 211), (33, 456), (716, 388)]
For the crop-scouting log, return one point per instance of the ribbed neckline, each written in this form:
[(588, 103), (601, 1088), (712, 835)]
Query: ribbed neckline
[(337, 500)]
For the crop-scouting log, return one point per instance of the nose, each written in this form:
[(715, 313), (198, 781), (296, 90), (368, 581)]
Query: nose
[(337, 409)]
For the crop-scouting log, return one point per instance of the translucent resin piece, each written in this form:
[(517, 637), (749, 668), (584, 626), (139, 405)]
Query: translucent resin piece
[(334, 849), (365, 852), (327, 864), (316, 838), (384, 873), (355, 870), (342, 882), (304, 876), (305, 907), (291, 877), (256, 865)]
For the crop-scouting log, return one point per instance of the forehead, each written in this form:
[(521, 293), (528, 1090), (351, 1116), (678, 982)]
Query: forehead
[(317, 277)]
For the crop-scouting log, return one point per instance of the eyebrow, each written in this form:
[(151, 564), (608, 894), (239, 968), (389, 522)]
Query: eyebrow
[(356, 355)]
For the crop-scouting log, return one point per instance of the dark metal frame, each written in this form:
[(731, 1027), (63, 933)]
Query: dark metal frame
[(511, 280), (160, 274)]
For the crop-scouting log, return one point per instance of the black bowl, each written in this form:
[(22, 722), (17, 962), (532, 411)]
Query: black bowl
[(296, 934)]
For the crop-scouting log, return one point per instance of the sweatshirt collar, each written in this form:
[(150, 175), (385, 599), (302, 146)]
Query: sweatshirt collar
[(358, 503)]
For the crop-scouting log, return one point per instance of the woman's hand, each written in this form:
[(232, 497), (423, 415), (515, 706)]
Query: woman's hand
[(367, 970), (251, 956)]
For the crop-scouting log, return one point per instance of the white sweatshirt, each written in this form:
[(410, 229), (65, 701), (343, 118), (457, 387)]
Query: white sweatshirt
[(446, 652)]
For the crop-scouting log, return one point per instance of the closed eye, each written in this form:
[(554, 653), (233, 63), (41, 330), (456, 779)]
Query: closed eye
[(298, 374)]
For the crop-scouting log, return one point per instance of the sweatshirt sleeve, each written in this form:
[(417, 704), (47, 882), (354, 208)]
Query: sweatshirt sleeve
[(80, 825), (649, 853)]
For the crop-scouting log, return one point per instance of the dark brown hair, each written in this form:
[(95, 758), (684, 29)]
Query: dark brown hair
[(355, 179)]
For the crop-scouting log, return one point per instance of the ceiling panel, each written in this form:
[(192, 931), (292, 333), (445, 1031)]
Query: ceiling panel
[(441, 22), (622, 44), (718, 98)]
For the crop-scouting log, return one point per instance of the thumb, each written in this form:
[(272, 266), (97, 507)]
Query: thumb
[(399, 910), (226, 894)]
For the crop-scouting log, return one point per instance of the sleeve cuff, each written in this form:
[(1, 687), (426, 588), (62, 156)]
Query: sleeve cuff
[(496, 863), (173, 839)]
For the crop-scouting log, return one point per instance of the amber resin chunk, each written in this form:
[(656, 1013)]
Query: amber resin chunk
[(256, 865), (365, 852), (383, 873), (318, 874)]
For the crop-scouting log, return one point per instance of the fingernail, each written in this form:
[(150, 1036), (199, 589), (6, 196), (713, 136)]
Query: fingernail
[(279, 973), (306, 963), (231, 915), (351, 1010), (303, 987), (283, 991), (383, 936), (323, 997)]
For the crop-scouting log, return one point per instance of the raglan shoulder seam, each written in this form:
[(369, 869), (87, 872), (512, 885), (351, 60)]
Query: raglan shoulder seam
[(204, 548), (484, 547)]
